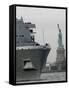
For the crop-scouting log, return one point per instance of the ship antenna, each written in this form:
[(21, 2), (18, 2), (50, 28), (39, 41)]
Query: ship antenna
[(43, 36)]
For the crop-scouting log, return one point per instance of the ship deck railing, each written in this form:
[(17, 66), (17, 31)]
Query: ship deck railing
[(32, 47)]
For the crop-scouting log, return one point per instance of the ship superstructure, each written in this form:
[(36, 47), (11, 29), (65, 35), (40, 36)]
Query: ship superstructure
[(24, 33)]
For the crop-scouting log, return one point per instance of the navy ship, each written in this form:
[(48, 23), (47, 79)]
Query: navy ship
[(31, 57)]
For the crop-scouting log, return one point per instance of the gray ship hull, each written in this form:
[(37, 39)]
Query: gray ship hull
[(36, 56)]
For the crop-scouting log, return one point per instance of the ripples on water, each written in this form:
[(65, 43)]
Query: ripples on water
[(57, 76)]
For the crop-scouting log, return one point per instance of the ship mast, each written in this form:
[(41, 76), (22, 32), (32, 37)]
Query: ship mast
[(43, 36)]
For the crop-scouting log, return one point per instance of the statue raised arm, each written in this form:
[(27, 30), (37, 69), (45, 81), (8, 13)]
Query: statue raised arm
[(59, 37)]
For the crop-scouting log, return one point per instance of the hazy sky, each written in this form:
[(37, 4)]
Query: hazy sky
[(46, 21)]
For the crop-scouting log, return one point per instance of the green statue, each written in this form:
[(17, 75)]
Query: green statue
[(60, 44)]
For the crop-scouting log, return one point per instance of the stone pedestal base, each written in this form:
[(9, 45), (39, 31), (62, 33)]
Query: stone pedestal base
[(60, 60)]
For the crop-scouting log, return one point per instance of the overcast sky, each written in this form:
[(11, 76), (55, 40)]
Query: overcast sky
[(46, 21)]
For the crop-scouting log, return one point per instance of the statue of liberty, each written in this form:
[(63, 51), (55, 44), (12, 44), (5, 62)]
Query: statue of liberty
[(60, 44)]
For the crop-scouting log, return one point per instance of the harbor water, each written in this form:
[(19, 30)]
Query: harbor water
[(56, 76)]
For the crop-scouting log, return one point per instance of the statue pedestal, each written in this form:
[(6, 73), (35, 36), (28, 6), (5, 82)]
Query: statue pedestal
[(60, 60)]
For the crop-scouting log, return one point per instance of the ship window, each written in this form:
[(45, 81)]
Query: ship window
[(31, 30), (17, 41), (21, 35), (16, 35)]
